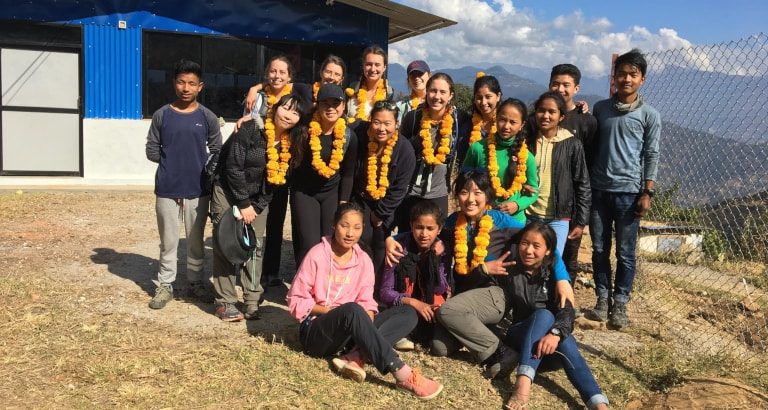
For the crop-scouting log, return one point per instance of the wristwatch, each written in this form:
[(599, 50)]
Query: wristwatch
[(555, 331), (650, 192)]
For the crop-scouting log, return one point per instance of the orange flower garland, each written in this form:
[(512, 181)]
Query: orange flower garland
[(493, 170), (362, 98), (377, 191), (337, 154), (274, 98), (277, 165), (477, 125), (415, 101), (461, 247), (315, 89), (446, 130)]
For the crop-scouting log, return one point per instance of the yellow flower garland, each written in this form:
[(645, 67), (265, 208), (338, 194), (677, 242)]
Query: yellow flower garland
[(477, 125), (362, 98), (461, 247), (493, 170), (315, 89), (415, 101), (446, 130), (377, 191), (337, 154), (274, 98), (277, 165)]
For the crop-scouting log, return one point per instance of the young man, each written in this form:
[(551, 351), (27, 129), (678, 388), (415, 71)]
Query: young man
[(625, 162), (565, 79), (182, 135)]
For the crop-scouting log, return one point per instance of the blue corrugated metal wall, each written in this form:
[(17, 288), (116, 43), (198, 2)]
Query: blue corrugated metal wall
[(112, 71)]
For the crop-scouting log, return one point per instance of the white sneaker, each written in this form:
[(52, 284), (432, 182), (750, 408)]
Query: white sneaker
[(404, 345)]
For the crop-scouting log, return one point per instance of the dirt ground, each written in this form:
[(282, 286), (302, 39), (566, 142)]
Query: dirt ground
[(78, 271)]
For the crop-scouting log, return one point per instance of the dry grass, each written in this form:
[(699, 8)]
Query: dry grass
[(76, 335)]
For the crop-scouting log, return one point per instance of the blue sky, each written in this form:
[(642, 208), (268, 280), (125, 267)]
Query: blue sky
[(541, 33), (701, 22)]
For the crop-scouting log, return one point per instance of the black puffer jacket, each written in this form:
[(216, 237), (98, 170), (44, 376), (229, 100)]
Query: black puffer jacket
[(242, 168), (526, 293)]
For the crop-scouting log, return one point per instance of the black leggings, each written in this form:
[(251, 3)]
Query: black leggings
[(349, 323), (312, 217), (403, 212), (273, 243), (373, 240), (571, 256)]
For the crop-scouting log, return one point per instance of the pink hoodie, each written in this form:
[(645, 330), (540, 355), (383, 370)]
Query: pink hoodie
[(351, 283)]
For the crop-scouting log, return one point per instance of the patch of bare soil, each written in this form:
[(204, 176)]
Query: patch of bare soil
[(702, 394)]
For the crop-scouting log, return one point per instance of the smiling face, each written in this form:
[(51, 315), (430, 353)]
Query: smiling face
[(278, 75), (286, 117), (349, 228), (417, 81), (187, 87), (383, 126), (486, 101), (332, 73), (373, 67), (532, 249), (566, 86), (425, 230), (439, 95), (627, 80), (330, 110), (548, 116), (509, 121), (472, 200)]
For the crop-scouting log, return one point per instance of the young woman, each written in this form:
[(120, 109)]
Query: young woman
[(479, 240), (332, 297), (540, 327), (486, 96), (564, 195), (385, 167), (506, 159), (332, 71), (372, 87), (418, 74), (438, 132), (419, 279), (325, 176), (242, 174)]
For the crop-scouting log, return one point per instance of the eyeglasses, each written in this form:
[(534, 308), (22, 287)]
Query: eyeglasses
[(385, 105)]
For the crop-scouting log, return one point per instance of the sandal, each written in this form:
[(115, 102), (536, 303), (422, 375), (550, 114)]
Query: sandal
[(514, 404)]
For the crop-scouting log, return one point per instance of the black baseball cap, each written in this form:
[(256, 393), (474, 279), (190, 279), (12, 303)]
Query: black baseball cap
[(418, 65), (330, 91)]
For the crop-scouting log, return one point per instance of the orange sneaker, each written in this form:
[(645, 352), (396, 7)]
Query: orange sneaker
[(349, 369), (420, 386)]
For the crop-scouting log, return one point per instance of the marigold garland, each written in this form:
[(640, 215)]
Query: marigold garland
[(362, 98), (277, 165), (274, 98), (446, 131), (477, 126), (315, 90), (377, 191), (337, 154), (415, 101), (493, 170), (461, 248)]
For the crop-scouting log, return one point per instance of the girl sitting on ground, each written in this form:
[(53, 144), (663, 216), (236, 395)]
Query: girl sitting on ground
[(540, 326), (419, 279), (332, 297)]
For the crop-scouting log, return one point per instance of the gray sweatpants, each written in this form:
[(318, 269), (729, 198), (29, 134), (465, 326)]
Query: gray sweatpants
[(170, 214), (224, 273), (466, 317)]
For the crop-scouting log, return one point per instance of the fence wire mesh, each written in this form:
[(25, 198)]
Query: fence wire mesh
[(702, 280)]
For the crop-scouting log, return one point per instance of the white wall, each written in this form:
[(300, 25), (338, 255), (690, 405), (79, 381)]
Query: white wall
[(113, 154)]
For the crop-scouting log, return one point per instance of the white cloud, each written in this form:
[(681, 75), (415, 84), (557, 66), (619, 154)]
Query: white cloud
[(498, 32)]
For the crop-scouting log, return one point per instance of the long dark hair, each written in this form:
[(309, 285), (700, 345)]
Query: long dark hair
[(297, 134), (514, 150), (485, 81), (550, 240), (561, 106)]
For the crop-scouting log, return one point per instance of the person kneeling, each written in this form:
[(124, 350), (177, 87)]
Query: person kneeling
[(332, 297)]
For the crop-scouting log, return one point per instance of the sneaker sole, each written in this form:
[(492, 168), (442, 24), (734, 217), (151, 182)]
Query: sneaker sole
[(430, 397), (348, 372)]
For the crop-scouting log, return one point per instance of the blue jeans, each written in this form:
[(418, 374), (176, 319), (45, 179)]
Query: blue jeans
[(560, 226), (614, 211), (524, 336)]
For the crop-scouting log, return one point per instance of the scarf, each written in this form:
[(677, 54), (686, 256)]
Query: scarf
[(622, 107), (422, 272)]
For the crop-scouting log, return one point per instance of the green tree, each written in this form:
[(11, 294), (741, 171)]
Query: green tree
[(463, 97)]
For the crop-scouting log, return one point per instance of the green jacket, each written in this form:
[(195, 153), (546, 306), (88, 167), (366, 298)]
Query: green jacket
[(477, 159)]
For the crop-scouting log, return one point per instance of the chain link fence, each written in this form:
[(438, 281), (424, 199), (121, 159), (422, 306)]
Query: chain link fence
[(702, 281)]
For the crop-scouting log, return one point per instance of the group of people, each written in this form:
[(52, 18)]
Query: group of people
[(358, 167)]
